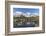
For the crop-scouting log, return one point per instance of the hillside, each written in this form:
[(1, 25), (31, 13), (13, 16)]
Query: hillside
[(22, 19)]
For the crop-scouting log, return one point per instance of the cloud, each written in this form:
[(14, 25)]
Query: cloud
[(17, 13), (36, 14)]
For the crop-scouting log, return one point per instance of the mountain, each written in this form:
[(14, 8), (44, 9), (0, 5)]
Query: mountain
[(18, 14)]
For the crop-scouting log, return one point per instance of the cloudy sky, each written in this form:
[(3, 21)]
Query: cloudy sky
[(28, 11)]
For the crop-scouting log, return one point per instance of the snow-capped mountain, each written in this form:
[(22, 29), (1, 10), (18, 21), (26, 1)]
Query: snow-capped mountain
[(18, 14)]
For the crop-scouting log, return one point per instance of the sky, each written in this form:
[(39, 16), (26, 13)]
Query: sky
[(28, 11)]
